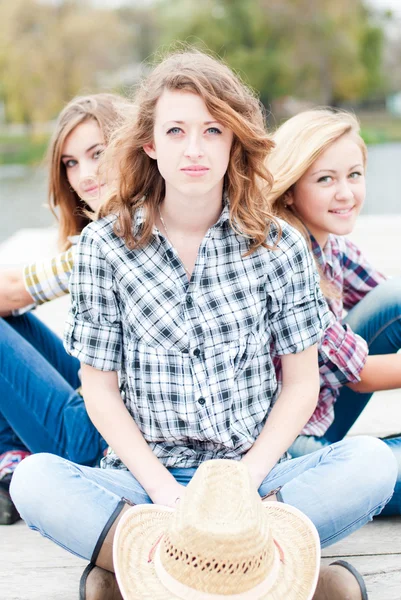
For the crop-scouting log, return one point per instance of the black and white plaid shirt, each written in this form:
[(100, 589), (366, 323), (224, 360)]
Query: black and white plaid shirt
[(195, 356)]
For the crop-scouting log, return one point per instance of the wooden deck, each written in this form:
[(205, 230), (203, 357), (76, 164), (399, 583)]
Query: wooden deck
[(33, 568)]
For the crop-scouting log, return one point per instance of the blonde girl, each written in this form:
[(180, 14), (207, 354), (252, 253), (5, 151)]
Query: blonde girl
[(319, 165), (181, 295)]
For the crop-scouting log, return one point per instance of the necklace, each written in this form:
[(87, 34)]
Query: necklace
[(188, 272)]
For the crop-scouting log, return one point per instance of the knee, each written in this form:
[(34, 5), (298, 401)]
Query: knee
[(389, 292), (374, 465), (30, 485)]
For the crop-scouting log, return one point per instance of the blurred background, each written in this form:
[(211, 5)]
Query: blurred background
[(296, 53)]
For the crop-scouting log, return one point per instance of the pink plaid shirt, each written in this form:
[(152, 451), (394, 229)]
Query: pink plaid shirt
[(342, 353)]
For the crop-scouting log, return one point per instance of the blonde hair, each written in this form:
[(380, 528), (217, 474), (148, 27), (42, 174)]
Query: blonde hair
[(139, 182), (298, 143), (106, 110)]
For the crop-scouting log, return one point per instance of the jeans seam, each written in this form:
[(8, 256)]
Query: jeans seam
[(383, 328), (360, 518), (49, 537)]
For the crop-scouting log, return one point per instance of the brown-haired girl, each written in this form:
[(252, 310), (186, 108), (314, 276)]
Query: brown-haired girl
[(187, 288), (39, 407)]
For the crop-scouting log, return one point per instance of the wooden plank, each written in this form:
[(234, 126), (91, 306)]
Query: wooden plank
[(381, 536), (36, 568)]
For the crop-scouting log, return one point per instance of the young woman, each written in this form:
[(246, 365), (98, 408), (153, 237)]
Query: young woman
[(187, 288), (319, 166), (40, 409)]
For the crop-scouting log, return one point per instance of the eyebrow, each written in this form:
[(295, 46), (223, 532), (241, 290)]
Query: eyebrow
[(183, 122), (86, 151), (333, 170)]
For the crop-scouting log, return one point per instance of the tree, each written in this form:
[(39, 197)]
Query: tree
[(50, 53), (317, 49)]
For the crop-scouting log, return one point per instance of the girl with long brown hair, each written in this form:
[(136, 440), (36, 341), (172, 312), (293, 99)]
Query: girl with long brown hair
[(182, 294), (40, 409)]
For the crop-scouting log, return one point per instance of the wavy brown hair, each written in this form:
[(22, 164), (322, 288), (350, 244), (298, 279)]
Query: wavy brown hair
[(72, 211), (139, 182)]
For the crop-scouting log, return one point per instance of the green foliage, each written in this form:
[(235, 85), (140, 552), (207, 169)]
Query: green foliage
[(23, 149), (319, 50), (315, 49)]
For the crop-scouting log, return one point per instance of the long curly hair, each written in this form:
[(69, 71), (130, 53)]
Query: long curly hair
[(139, 183)]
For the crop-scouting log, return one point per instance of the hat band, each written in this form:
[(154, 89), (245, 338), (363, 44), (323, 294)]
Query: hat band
[(186, 592)]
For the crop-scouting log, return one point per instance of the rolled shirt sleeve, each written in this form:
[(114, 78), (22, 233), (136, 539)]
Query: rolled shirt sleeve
[(93, 331), (342, 356), (299, 312)]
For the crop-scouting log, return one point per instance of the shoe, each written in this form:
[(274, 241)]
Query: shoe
[(10, 460), (8, 512), (98, 584), (340, 581)]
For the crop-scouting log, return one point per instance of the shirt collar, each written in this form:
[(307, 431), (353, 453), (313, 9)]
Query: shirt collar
[(325, 256)]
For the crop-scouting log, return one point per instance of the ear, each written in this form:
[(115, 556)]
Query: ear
[(150, 150), (289, 197)]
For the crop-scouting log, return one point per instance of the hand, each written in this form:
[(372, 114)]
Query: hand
[(256, 473), (169, 495)]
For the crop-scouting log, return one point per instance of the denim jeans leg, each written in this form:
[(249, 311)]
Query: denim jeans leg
[(306, 444), (39, 406), (48, 344), (340, 488), (68, 503), (393, 507), (376, 318)]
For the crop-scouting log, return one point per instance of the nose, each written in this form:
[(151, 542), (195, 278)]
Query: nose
[(87, 170), (344, 191), (194, 147)]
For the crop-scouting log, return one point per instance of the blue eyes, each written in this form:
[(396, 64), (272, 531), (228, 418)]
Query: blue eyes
[(174, 130), (177, 131)]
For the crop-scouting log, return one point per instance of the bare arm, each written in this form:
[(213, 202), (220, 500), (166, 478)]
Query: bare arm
[(13, 294), (293, 408), (381, 372), (109, 415)]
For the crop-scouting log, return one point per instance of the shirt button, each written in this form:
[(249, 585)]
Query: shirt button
[(202, 401), (196, 352), (185, 351), (189, 301), (170, 254)]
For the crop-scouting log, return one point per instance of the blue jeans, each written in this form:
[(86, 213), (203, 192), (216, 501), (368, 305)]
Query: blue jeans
[(340, 488), (376, 318), (40, 411)]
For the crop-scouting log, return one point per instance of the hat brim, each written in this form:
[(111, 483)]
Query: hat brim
[(141, 527)]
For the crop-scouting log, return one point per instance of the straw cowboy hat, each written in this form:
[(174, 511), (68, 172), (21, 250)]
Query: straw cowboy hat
[(220, 542)]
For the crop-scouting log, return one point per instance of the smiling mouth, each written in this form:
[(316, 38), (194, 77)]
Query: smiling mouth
[(93, 190), (342, 211)]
